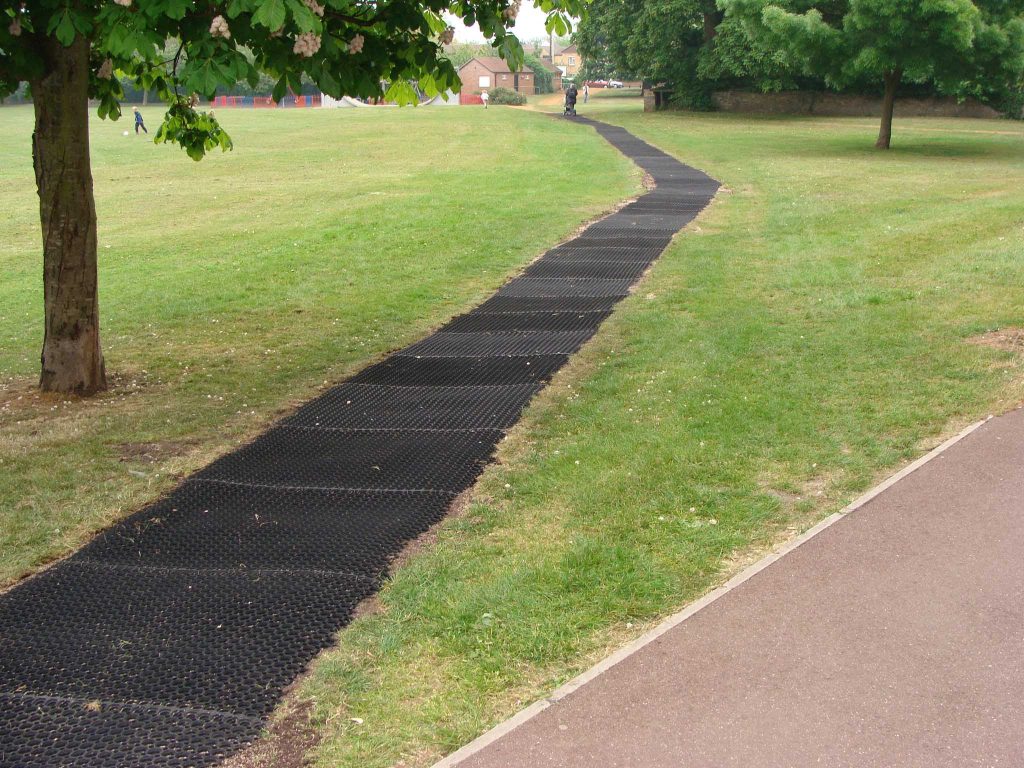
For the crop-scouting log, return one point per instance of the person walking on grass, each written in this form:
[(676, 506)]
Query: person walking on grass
[(586, 92), (485, 97), (138, 121)]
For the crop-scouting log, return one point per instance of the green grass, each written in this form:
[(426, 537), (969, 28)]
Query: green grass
[(805, 338), (234, 287)]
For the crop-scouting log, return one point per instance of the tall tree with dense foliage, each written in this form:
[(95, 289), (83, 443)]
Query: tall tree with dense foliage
[(686, 44), (72, 50), (958, 45)]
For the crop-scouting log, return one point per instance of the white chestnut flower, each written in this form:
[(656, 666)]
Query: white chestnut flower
[(315, 7), (124, 3), (106, 70), (512, 11), (219, 28), (447, 36), (15, 28), (355, 45), (307, 44)]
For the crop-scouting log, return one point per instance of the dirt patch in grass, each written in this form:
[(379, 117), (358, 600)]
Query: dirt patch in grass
[(153, 453), (424, 542), (22, 398), (1005, 339), (288, 739)]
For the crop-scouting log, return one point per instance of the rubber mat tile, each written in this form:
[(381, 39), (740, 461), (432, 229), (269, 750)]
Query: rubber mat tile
[(399, 460), (626, 233), (220, 640), (531, 304), (534, 321), (47, 732), (594, 251), (652, 242), (669, 183), (528, 287), (668, 207), (647, 221), (372, 406), (217, 525), (462, 371), (665, 207), (675, 195), (603, 270), (490, 344)]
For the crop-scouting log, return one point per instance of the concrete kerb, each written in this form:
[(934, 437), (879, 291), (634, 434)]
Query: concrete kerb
[(626, 651)]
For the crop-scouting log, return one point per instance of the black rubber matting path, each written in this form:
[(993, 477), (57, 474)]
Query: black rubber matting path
[(169, 638)]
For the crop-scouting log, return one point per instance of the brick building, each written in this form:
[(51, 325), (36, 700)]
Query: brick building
[(568, 60), (556, 75), (487, 72)]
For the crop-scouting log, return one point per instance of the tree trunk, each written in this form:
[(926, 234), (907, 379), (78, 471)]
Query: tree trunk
[(712, 18), (71, 357), (892, 83)]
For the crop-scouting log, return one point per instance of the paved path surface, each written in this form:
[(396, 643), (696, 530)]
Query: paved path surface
[(895, 637)]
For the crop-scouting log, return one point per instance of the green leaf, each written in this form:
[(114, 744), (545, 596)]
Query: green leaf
[(176, 9), (280, 88), (270, 14), (304, 18), (64, 29)]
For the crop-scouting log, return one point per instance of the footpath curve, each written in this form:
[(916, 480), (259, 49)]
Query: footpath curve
[(168, 640)]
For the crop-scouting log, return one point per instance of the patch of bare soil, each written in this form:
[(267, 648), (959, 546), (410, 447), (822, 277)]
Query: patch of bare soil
[(153, 453), (1005, 339), (289, 738), (21, 397)]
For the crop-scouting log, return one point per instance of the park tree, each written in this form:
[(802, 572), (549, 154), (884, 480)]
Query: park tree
[(958, 45), (686, 44), (71, 51)]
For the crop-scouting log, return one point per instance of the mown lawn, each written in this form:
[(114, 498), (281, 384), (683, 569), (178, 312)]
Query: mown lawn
[(235, 287), (811, 333)]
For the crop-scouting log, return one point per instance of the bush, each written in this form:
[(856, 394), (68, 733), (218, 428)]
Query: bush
[(507, 96)]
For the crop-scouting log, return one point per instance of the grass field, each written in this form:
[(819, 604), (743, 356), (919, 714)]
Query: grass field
[(807, 335), (233, 287)]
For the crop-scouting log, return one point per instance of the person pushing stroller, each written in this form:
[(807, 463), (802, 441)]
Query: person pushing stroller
[(570, 100)]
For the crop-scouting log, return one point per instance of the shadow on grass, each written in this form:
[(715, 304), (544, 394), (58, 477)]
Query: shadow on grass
[(951, 148)]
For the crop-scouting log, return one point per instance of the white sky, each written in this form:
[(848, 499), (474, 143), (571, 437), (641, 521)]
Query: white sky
[(529, 26)]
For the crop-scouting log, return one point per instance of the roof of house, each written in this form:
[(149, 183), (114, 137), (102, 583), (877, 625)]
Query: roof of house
[(569, 49), (494, 64), (551, 67)]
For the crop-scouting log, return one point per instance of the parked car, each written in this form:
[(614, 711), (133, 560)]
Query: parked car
[(615, 84)]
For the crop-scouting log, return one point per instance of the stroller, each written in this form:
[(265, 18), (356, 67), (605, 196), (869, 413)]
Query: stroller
[(570, 101)]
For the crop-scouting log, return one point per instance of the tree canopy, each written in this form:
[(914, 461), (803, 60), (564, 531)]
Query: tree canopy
[(347, 47), (70, 51), (962, 47), (686, 43)]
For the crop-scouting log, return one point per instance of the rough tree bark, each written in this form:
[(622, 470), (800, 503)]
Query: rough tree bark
[(71, 358), (892, 83), (712, 18)]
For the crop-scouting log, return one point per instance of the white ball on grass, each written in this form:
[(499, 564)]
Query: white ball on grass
[(125, 133)]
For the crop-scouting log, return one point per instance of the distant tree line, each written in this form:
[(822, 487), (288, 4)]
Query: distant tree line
[(955, 48)]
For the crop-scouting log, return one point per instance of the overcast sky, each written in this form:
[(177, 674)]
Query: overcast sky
[(529, 26)]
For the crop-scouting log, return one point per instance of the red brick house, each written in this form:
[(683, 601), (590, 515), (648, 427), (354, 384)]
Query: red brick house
[(485, 73), (556, 75)]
